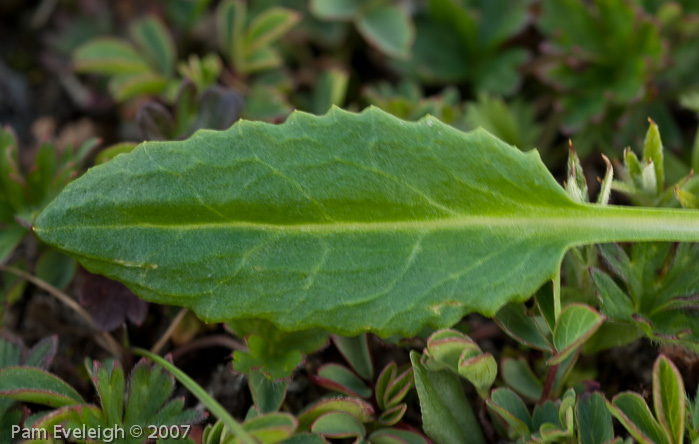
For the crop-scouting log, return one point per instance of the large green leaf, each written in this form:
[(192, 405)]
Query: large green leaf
[(349, 222)]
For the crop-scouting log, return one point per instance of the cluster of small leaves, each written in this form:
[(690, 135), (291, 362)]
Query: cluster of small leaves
[(470, 37), (273, 352), (13, 353), (246, 43), (384, 23), (144, 64), (141, 402), (23, 194), (667, 425)]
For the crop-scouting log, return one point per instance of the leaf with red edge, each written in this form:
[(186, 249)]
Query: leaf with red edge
[(356, 407), (341, 379), (393, 415), (356, 352), (31, 384), (398, 386)]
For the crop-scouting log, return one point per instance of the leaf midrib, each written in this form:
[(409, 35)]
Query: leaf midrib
[(582, 219)]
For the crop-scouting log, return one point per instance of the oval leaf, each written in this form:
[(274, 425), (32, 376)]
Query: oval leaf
[(109, 56), (341, 379), (356, 407), (447, 416), (575, 325), (389, 29), (356, 352), (633, 413), (338, 425), (669, 398), (349, 222), (31, 384)]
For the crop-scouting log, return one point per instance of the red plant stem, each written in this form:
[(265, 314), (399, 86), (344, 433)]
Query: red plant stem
[(548, 385)]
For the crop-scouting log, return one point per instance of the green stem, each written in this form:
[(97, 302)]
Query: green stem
[(214, 407), (600, 224)]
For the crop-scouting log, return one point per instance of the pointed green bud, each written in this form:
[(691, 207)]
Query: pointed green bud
[(480, 371), (576, 185), (653, 152), (606, 188), (633, 166), (649, 181)]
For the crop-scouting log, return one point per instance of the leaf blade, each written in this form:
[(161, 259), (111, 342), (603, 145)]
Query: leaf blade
[(418, 237)]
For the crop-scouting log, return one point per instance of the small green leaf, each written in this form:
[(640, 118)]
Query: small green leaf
[(396, 436), (109, 383), (275, 352), (548, 299), (606, 186), (593, 419), (669, 398), (514, 321), (575, 325), (358, 408), (687, 199), (393, 415), (518, 376), (154, 39), (261, 59), (576, 185), (546, 413), (633, 413), (356, 352), (269, 26), (231, 17), (446, 348), (390, 29), (109, 56), (615, 303), (447, 416), (267, 395), (653, 153), (340, 379), (125, 87), (386, 378), (338, 425), (480, 371), (512, 409), (271, 428), (632, 165), (335, 9), (401, 382), (31, 384)]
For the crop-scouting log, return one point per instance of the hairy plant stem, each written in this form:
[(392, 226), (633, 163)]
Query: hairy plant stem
[(105, 340)]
